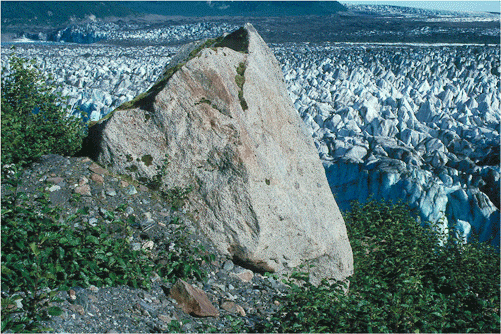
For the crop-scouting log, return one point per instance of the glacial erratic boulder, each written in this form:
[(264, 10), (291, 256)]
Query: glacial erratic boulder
[(222, 116)]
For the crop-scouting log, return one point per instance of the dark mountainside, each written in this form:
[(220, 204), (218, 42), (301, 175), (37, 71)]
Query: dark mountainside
[(236, 8), (57, 13), (278, 22), (42, 18)]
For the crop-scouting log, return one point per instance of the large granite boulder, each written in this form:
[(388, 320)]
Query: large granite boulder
[(222, 116)]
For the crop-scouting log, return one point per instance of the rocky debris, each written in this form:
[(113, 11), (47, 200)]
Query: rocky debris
[(83, 189), (98, 169), (233, 308), (259, 190), (416, 123), (245, 276), (125, 309), (97, 178), (192, 300)]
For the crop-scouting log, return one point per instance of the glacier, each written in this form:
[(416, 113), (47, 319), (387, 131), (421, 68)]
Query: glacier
[(413, 122), (419, 124)]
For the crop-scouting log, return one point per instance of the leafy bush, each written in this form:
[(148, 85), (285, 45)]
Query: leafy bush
[(239, 78), (177, 196), (34, 118), (39, 252), (182, 258), (42, 253), (404, 281)]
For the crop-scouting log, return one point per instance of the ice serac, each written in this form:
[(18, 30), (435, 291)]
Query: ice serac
[(406, 124), (227, 124)]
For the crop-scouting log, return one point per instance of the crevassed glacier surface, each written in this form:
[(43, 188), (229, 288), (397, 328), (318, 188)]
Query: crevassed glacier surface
[(405, 122), (417, 123)]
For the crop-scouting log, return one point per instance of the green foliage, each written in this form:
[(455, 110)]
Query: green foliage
[(39, 252), (213, 105), (177, 196), (243, 103), (132, 168), (34, 118), (204, 100), (147, 160), (239, 80), (175, 326), (208, 43), (155, 182), (241, 70), (404, 281), (236, 323), (182, 259), (42, 254)]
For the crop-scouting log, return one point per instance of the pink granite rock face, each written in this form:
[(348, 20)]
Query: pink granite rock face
[(260, 191)]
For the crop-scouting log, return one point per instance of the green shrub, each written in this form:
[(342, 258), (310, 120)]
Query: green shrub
[(177, 196), (40, 252), (243, 103), (241, 70), (43, 253), (147, 160), (404, 281), (34, 118), (240, 80), (185, 259)]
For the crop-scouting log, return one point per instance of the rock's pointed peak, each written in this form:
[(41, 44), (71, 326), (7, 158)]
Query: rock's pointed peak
[(225, 121), (250, 28)]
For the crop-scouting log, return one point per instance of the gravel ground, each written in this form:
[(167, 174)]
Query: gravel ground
[(245, 300)]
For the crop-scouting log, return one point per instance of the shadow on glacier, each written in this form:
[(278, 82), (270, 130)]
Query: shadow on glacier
[(470, 210)]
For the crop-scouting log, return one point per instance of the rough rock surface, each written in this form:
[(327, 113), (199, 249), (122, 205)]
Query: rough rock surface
[(192, 300), (260, 192)]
